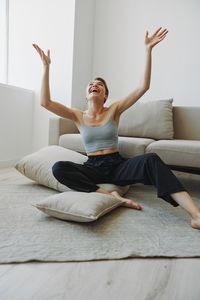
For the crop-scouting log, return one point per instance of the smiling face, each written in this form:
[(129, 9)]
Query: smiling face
[(97, 88)]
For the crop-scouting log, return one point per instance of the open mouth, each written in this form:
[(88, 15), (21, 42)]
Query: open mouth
[(94, 90)]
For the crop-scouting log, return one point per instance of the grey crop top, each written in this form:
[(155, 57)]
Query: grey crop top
[(101, 137)]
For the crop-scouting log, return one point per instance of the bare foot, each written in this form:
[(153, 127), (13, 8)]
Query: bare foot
[(195, 222), (127, 202)]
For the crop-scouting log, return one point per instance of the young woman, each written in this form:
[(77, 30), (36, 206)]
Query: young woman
[(98, 126)]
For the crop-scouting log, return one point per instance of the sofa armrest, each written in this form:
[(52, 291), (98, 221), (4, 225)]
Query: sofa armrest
[(59, 126)]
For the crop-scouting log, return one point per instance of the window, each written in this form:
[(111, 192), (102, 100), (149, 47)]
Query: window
[(4, 40)]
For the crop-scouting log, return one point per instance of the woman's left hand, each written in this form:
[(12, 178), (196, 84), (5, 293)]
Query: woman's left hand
[(155, 38)]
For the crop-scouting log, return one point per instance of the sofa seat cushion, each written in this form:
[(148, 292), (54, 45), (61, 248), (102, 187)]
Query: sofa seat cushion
[(177, 152), (72, 141), (128, 146), (131, 146)]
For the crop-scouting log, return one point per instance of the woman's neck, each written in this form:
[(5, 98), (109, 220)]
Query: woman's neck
[(95, 109)]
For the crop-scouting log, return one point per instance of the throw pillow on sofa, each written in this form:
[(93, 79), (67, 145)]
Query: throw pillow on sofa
[(38, 167), (152, 119)]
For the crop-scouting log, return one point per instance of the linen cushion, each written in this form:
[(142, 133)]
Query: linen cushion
[(38, 167), (177, 152), (186, 122), (78, 206), (72, 141), (128, 146), (152, 119), (132, 146)]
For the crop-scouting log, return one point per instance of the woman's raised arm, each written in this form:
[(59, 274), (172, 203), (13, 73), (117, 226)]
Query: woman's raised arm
[(45, 98), (150, 42)]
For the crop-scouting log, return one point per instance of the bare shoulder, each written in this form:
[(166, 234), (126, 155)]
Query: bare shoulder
[(78, 117), (76, 111), (112, 110), (114, 107), (78, 114)]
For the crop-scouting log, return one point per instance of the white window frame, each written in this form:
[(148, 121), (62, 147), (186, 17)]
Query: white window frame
[(4, 39)]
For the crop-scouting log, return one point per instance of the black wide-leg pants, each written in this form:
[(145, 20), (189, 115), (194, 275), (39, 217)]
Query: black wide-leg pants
[(148, 169)]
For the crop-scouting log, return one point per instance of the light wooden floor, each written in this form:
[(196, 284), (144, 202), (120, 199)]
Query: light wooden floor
[(135, 279)]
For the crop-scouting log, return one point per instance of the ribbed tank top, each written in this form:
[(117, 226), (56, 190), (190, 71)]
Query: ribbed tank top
[(102, 137)]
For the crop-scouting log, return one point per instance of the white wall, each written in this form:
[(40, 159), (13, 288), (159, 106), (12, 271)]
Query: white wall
[(3, 35), (104, 38), (119, 52), (84, 25), (15, 124), (51, 25), (66, 27)]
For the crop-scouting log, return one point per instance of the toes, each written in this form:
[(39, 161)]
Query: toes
[(195, 225), (131, 204), (135, 205), (139, 207)]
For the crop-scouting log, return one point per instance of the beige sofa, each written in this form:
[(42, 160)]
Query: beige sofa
[(173, 132)]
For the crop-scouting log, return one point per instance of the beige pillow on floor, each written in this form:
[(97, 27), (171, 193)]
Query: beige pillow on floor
[(38, 167), (152, 119), (78, 206)]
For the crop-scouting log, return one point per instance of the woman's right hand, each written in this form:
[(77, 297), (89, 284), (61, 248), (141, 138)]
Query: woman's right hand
[(44, 57)]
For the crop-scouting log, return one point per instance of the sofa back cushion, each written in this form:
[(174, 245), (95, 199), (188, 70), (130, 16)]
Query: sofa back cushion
[(152, 119), (186, 122)]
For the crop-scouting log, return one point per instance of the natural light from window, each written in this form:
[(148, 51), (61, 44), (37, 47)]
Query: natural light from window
[(4, 40)]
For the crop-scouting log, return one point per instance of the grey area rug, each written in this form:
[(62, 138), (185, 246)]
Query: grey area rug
[(160, 230)]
